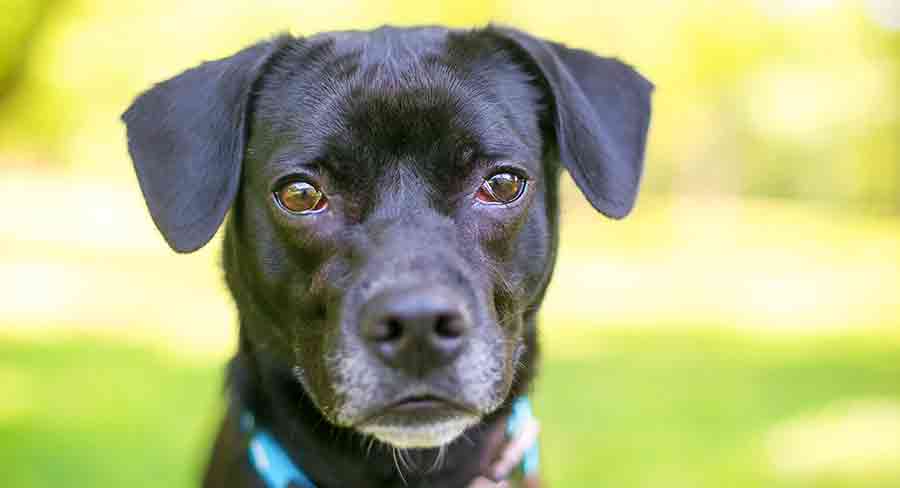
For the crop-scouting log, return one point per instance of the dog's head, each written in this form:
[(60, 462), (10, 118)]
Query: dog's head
[(393, 204)]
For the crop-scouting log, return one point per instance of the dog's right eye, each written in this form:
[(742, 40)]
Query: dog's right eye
[(300, 197), (501, 188)]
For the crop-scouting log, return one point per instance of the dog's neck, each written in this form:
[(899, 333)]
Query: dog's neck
[(338, 457)]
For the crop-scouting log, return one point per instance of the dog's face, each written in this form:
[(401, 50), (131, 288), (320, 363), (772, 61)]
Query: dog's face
[(393, 198), (397, 230)]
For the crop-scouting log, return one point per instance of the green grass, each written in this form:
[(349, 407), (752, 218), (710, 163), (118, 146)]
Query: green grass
[(644, 408), (89, 413), (692, 409)]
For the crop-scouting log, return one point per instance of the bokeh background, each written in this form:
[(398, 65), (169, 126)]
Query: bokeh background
[(741, 329)]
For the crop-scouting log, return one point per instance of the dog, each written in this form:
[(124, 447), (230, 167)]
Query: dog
[(393, 225)]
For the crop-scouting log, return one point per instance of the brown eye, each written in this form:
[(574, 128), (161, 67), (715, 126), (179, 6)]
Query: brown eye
[(300, 197), (501, 188)]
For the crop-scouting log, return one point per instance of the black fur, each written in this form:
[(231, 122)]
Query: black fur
[(399, 128)]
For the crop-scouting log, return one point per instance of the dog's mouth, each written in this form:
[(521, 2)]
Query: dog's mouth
[(417, 409), (419, 421)]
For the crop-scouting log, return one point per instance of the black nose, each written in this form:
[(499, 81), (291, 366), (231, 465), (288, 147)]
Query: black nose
[(415, 330)]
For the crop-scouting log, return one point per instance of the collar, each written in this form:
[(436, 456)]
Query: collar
[(271, 462), (277, 470)]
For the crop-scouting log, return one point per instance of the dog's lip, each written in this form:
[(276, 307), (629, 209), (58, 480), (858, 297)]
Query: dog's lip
[(423, 402), (419, 407)]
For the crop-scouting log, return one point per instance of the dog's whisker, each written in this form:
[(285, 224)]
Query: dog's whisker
[(442, 456), (438, 459), (467, 438), (394, 451), (369, 447), (405, 460), (411, 460)]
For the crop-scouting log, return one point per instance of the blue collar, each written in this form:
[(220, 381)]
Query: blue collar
[(276, 469), (272, 464), (518, 419)]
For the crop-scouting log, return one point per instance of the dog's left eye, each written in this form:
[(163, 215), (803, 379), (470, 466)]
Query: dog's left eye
[(501, 188), (300, 197)]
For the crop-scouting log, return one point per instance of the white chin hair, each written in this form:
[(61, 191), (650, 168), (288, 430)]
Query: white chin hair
[(420, 436)]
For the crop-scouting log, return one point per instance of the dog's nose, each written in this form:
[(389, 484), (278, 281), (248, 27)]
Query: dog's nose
[(415, 330)]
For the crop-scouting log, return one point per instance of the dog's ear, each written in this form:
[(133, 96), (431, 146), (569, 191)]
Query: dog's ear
[(186, 137), (601, 113)]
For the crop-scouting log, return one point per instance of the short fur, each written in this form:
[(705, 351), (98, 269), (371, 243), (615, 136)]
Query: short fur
[(399, 128)]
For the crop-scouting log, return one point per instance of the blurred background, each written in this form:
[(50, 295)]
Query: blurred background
[(741, 328)]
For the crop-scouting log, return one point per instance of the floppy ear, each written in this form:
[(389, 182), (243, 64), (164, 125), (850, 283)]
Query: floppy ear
[(186, 137), (601, 112)]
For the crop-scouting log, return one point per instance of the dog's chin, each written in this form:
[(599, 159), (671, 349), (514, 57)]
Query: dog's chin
[(419, 435)]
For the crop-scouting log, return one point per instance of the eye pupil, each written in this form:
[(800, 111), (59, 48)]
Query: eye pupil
[(501, 188), (300, 197)]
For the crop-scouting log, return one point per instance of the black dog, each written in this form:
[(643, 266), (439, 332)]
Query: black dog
[(393, 199)]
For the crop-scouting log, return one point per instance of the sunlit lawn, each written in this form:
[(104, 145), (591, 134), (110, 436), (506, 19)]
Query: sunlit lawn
[(644, 408)]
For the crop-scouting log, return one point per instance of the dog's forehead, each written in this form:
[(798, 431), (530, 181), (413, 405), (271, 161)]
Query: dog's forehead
[(397, 44), (360, 96)]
